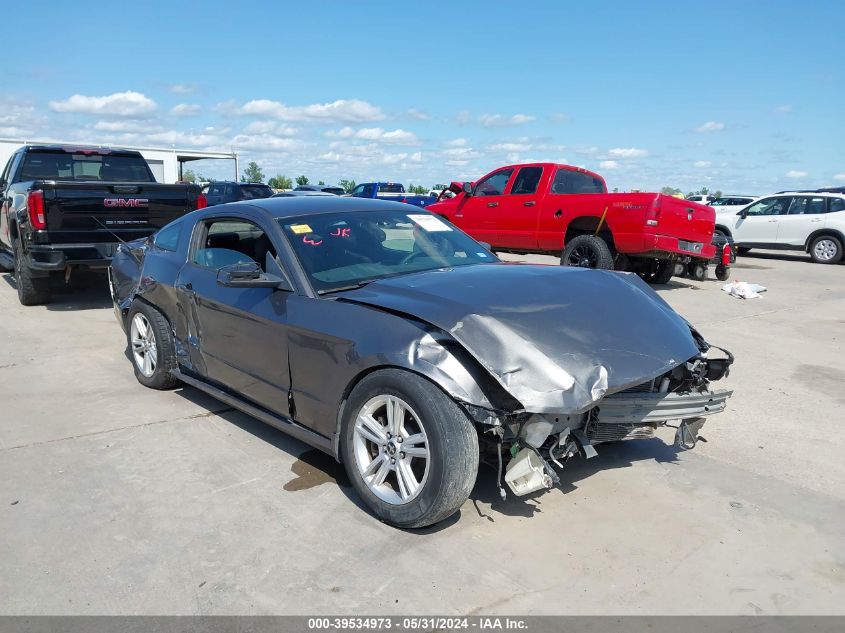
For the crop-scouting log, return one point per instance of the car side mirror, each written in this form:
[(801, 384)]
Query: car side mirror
[(247, 275), (467, 188), (743, 214)]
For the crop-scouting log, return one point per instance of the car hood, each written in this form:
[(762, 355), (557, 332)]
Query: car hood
[(558, 339)]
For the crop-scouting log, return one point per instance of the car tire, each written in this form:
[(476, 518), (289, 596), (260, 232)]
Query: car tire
[(723, 273), (826, 249), (32, 291), (435, 485), (587, 251), (151, 346), (697, 271), (742, 250)]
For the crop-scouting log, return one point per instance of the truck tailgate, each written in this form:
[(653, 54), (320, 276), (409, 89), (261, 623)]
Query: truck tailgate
[(684, 219), (92, 211)]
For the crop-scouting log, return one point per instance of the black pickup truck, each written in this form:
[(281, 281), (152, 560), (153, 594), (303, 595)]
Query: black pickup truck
[(66, 207)]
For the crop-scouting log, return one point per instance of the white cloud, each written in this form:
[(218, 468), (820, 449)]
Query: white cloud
[(457, 142), (182, 89), (127, 103), (608, 164), (701, 164), (418, 115), (498, 120), (559, 117), (462, 118), (185, 109), (794, 173), (510, 147), (710, 126), (130, 127), (342, 110), (783, 109), (265, 143), (631, 152), (182, 139), (839, 177), (398, 136), (271, 127)]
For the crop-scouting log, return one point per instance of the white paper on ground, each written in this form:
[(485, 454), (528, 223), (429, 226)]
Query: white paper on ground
[(743, 289)]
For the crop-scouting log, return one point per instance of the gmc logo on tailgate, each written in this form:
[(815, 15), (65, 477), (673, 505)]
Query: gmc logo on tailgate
[(126, 202)]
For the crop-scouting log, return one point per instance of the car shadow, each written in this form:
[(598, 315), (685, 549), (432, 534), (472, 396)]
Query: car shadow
[(84, 291), (610, 456), (790, 256)]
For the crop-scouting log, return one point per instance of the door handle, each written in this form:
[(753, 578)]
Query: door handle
[(558, 213), (530, 203), (492, 204), (772, 220), (816, 220)]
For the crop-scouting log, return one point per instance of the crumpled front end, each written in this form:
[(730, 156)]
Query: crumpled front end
[(682, 398)]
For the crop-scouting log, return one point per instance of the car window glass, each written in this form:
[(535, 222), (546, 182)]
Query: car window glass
[(570, 181), (527, 180), (803, 205), (357, 191), (253, 192), (215, 190), (494, 184), (168, 237), (837, 204), (233, 241), (769, 206)]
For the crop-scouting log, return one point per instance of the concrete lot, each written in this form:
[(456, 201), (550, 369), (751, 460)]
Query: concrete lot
[(115, 499)]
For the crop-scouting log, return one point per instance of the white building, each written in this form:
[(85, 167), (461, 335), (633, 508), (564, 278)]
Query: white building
[(167, 165)]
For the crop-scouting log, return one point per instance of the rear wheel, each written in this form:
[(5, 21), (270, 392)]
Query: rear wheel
[(32, 290), (697, 271), (151, 346), (587, 251), (660, 273), (826, 249), (723, 273), (410, 452)]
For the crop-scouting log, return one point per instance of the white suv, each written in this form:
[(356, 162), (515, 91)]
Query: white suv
[(812, 221)]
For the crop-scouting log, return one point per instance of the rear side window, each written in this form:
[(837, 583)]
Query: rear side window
[(837, 204), (527, 180), (806, 206), (168, 238), (569, 181)]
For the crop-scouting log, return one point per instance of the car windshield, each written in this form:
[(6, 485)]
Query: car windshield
[(346, 250)]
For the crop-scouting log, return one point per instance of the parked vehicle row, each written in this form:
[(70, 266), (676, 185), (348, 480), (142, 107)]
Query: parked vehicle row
[(67, 207), (391, 191)]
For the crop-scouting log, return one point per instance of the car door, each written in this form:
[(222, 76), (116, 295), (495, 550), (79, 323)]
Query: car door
[(760, 224), (516, 215), (805, 215), (237, 336), (477, 214)]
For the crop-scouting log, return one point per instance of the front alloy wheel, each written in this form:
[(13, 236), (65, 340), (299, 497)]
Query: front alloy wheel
[(410, 451), (391, 449)]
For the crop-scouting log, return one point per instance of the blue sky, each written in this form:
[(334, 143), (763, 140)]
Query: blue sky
[(742, 96)]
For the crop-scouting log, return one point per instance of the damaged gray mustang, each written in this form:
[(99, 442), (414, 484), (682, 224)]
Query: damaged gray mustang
[(385, 336)]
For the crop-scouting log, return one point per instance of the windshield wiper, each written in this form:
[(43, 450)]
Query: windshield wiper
[(355, 286)]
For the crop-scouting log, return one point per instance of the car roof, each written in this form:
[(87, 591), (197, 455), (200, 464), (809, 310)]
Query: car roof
[(314, 205)]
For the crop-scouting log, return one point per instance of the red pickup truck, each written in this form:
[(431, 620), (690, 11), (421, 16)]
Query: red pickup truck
[(551, 208)]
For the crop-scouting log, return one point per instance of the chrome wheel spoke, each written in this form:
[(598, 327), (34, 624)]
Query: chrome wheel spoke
[(389, 437)]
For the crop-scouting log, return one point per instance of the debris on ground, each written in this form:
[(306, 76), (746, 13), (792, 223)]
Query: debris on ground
[(743, 289)]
